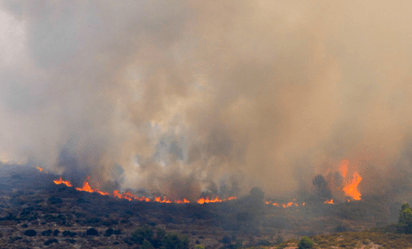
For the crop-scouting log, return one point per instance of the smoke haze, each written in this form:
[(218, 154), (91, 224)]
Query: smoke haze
[(180, 96)]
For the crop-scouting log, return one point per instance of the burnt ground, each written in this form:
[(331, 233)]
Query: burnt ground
[(36, 213)]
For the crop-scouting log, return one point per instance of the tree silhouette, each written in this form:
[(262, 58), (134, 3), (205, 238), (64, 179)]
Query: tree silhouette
[(322, 190)]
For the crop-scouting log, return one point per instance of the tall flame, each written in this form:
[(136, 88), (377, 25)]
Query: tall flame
[(351, 189)]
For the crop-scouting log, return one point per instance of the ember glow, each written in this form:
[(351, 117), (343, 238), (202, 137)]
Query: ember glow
[(286, 205), (329, 201)]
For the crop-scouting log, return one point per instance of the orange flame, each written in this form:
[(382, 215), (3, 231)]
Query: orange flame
[(60, 181), (129, 196), (86, 187), (41, 169), (329, 201), (351, 189), (207, 200)]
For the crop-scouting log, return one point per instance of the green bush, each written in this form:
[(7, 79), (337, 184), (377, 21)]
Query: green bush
[(405, 219), (146, 245), (142, 233), (174, 241), (199, 247), (305, 243)]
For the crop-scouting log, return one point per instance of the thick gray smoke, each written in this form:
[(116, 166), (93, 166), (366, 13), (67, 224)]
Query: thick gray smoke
[(176, 96)]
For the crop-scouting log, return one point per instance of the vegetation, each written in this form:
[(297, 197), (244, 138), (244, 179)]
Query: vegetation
[(405, 219), (305, 243), (146, 238), (322, 190)]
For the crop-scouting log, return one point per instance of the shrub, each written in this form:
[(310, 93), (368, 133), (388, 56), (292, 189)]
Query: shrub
[(55, 200), (30, 232), (92, 232), (46, 232), (142, 233), (146, 245), (199, 247), (279, 239), (305, 243), (263, 242), (50, 241), (56, 232), (226, 240), (108, 232), (174, 241)]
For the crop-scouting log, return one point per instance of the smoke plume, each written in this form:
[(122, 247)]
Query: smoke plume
[(178, 96)]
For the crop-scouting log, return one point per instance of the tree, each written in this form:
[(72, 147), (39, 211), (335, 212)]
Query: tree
[(405, 219), (305, 243), (321, 187), (257, 194)]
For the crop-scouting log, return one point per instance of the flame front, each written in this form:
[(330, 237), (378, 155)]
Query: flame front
[(207, 200), (129, 196), (86, 187), (60, 181)]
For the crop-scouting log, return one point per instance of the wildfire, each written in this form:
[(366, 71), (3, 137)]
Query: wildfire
[(41, 169), (351, 189), (86, 187), (285, 205), (129, 196), (329, 201), (60, 181), (350, 186), (207, 200)]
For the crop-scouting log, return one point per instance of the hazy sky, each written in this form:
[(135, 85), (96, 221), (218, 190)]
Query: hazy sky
[(175, 96)]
